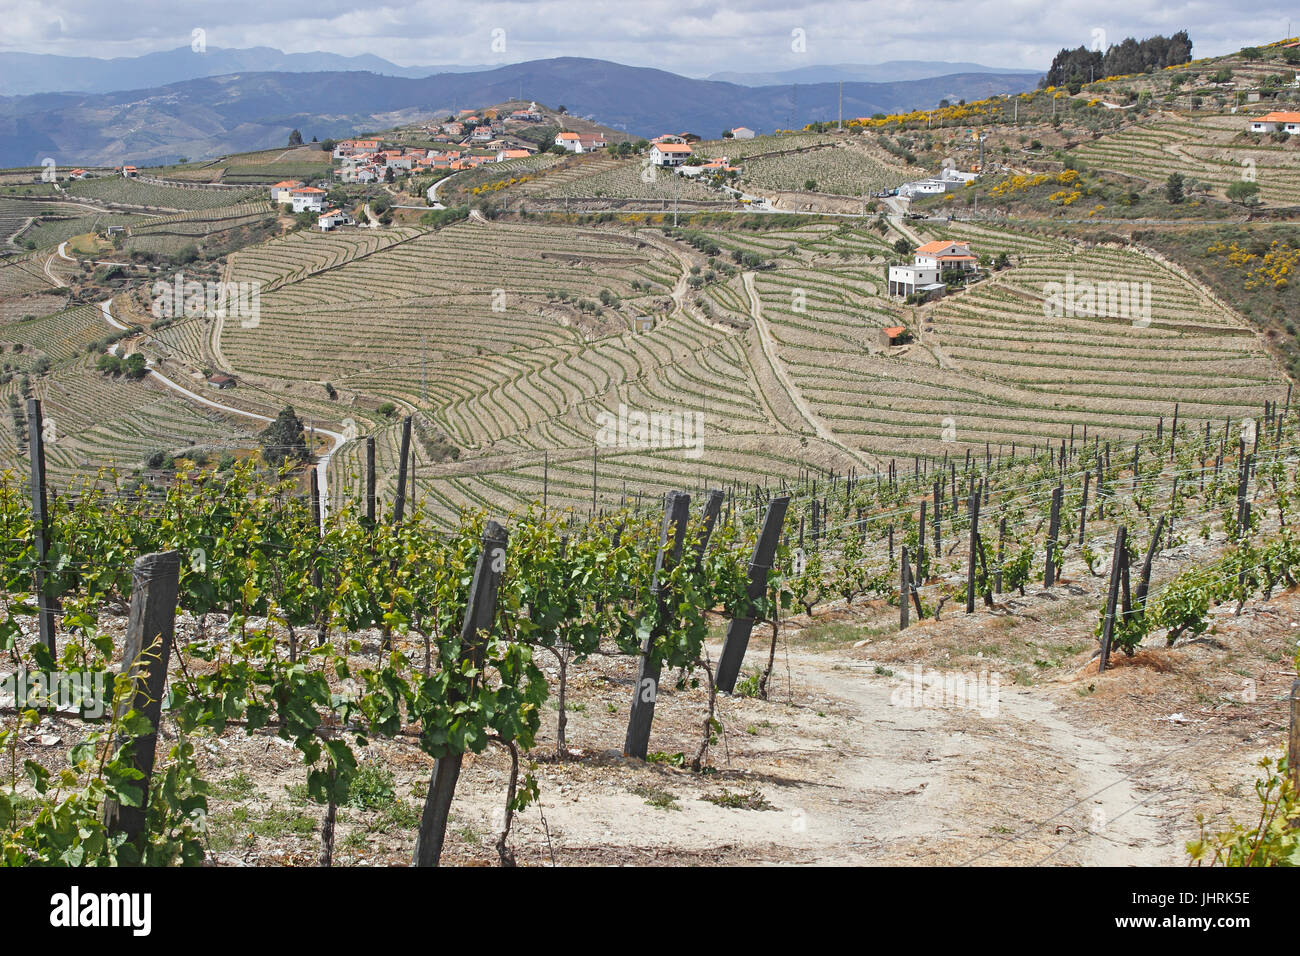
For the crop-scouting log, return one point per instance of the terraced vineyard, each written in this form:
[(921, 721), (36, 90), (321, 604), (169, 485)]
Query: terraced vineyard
[(130, 192), (1210, 149), (843, 170), (49, 220), (300, 254), (623, 179)]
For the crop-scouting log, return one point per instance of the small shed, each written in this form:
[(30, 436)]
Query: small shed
[(221, 381), (644, 323), (895, 335)]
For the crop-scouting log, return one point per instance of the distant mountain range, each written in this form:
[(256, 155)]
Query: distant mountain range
[(22, 74), (891, 71), (210, 116)]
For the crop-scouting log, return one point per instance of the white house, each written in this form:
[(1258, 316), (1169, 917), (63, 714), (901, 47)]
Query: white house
[(334, 217), (578, 143), (742, 132), (925, 187), (669, 154), (307, 198), (1271, 122), (283, 191), (929, 263)]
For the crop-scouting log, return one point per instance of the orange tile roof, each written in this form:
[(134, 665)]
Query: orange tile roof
[(894, 331), (672, 147), (1279, 117), (938, 245), (286, 184), (568, 136)]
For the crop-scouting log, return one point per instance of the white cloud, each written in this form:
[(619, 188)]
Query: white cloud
[(694, 37)]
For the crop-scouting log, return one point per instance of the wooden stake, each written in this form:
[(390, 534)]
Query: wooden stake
[(155, 580)]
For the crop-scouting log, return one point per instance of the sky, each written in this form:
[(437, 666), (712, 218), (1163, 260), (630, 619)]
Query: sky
[(690, 37)]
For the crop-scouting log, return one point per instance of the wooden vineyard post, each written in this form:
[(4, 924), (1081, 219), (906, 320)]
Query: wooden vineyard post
[(480, 612), (40, 522), (1083, 507), (1293, 741), (736, 641), (904, 589), (1053, 529), (370, 479), (399, 505), (146, 654), (1002, 539), (1112, 595), (920, 545), (938, 495), (636, 744), (1144, 576), (974, 507)]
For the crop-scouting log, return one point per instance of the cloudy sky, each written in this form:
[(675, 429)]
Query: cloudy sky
[(692, 37)]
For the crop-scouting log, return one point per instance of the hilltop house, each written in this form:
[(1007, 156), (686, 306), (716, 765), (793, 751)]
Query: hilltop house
[(929, 263), (669, 154), (742, 132), (1272, 122)]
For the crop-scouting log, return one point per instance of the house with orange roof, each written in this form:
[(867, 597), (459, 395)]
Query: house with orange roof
[(1288, 122), (307, 198), (669, 154), (77, 174), (929, 264), (504, 154), (282, 191), (129, 171), (332, 218)]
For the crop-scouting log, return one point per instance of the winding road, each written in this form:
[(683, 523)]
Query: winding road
[(337, 440)]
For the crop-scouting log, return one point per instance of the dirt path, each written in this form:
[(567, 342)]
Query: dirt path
[(783, 376)]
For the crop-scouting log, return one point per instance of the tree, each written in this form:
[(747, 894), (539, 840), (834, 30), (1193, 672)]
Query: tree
[(327, 145), (902, 247), (284, 439), (1243, 192), (1174, 188), (295, 138), (728, 134)]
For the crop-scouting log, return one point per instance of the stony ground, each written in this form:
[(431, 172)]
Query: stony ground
[(857, 757)]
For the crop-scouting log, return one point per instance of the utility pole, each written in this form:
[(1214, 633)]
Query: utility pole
[(840, 123)]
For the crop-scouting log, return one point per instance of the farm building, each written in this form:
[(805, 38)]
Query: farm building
[(307, 198), (580, 143), (669, 154), (282, 191), (895, 335), (332, 218), (742, 132), (929, 263), (221, 381), (1277, 120)]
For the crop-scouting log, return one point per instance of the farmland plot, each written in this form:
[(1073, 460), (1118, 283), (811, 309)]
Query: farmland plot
[(1211, 150), (131, 192)]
